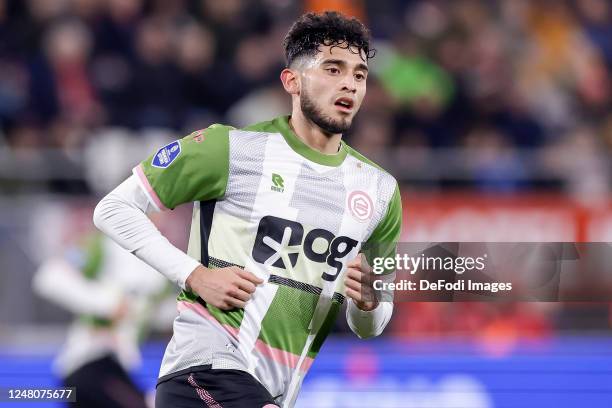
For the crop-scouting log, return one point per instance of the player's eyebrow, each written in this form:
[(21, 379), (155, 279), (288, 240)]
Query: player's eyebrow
[(343, 63)]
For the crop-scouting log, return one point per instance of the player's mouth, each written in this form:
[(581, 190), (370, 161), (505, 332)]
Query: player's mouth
[(344, 104)]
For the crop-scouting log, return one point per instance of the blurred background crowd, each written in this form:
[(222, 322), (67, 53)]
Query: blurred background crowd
[(498, 96), (497, 109), (492, 95)]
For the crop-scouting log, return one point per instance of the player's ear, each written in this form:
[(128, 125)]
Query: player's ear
[(291, 81)]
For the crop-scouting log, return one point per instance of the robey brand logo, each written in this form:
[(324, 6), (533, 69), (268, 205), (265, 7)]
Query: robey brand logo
[(277, 183), (280, 242)]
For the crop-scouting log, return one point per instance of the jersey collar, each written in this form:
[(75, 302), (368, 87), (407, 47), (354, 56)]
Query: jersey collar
[(301, 148)]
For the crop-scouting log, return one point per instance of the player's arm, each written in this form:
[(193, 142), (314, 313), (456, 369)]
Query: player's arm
[(366, 316), (61, 280), (192, 169), (121, 215)]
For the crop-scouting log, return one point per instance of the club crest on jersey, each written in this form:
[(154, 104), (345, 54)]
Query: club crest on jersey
[(166, 155), (360, 205)]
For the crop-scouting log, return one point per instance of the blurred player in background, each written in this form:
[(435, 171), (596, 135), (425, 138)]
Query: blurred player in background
[(281, 210), (115, 296)]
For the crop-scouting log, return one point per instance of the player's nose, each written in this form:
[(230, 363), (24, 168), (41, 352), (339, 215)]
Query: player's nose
[(348, 83)]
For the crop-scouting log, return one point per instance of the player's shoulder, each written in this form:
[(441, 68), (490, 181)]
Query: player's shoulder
[(201, 141), (375, 167), (216, 131), (266, 126)]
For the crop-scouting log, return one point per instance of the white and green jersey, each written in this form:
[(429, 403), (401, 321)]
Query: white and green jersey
[(266, 202)]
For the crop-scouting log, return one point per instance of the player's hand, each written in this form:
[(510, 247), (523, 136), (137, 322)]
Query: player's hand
[(225, 288), (121, 311), (358, 283)]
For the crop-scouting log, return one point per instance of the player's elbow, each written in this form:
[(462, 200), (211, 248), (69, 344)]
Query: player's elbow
[(98, 214), (103, 212)]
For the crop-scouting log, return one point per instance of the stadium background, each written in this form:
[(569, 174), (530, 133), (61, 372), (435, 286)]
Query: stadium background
[(493, 115)]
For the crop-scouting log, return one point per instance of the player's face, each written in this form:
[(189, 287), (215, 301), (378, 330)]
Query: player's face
[(333, 87)]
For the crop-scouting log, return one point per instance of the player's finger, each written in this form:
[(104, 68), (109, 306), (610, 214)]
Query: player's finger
[(362, 258), (233, 302), (352, 284), (250, 276), (239, 294), (355, 262), (364, 262), (246, 285), (354, 274), (223, 305), (353, 294)]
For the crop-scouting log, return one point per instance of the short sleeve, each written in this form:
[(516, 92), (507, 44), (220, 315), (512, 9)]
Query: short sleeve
[(194, 168), (384, 238)]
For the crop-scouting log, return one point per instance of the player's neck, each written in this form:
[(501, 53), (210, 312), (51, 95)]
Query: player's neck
[(313, 136)]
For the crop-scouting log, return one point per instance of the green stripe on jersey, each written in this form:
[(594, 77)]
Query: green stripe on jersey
[(232, 317), (325, 329), (186, 296), (285, 325)]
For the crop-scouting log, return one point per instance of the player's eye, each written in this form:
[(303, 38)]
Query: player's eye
[(360, 77), (333, 70)]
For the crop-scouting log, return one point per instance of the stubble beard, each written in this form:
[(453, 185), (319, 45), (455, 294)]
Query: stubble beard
[(329, 125)]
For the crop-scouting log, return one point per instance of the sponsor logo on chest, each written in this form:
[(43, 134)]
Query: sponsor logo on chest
[(279, 242)]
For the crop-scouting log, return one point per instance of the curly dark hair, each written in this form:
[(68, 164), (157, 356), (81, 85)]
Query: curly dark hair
[(329, 28)]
